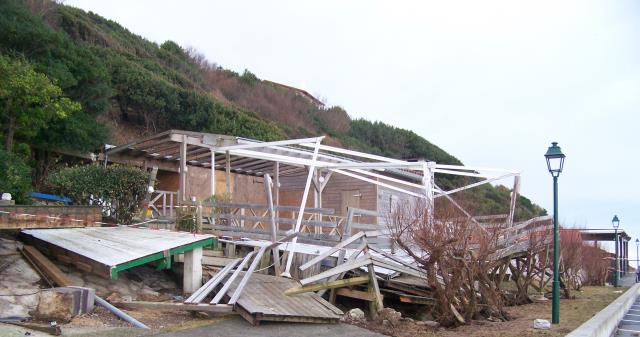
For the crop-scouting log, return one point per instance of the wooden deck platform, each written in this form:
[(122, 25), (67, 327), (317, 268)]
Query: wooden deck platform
[(109, 250), (263, 299)]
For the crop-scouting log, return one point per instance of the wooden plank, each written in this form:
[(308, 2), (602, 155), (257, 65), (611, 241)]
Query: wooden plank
[(169, 306), (406, 288), (233, 276), (268, 184), (263, 299), (416, 299), (247, 276), (328, 285), (357, 294), (376, 305), (47, 267), (351, 258), (227, 167), (201, 293), (396, 267), (283, 208), (285, 221), (389, 256), (362, 261), (333, 249)]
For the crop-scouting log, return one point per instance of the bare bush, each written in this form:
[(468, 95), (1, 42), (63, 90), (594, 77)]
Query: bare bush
[(457, 256), (595, 263), (571, 265), (529, 267)]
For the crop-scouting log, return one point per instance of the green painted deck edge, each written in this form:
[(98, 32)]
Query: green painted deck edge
[(160, 255)]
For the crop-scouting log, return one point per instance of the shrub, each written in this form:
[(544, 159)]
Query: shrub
[(15, 176), (118, 189)]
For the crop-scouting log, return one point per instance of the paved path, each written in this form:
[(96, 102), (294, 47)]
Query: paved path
[(630, 324), (238, 327), (628, 280)]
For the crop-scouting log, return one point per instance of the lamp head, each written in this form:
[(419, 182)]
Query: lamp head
[(615, 222), (555, 159)]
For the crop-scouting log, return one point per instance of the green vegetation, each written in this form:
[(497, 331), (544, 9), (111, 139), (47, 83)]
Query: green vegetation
[(30, 100), (118, 189), (15, 176), (109, 77)]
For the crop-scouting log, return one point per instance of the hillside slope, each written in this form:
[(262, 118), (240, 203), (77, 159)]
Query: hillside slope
[(130, 87)]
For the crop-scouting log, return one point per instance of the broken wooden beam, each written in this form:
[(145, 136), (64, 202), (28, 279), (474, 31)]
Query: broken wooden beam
[(45, 266), (362, 261), (247, 276), (376, 305), (357, 294), (328, 285), (225, 287), (171, 306), (201, 293), (332, 250)]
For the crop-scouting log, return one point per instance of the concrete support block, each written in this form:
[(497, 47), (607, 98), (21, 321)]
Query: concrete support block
[(192, 277)]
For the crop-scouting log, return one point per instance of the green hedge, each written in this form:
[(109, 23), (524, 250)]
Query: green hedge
[(118, 189)]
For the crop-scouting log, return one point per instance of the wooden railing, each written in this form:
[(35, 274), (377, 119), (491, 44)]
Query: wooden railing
[(257, 216), (163, 204)]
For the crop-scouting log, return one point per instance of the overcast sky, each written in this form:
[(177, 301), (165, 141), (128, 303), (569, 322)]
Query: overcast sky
[(491, 82)]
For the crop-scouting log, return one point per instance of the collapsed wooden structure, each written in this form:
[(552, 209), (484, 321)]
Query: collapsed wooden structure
[(314, 163), (347, 254)]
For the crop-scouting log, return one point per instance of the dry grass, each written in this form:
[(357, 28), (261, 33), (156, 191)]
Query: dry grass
[(572, 314)]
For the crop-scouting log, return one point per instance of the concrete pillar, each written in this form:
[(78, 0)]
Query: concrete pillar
[(192, 278)]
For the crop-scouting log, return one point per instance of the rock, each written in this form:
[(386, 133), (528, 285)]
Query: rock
[(8, 309), (541, 324), (29, 301), (356, 314), (390, 314), (94, 281), (432, 324), (148, 291), (75, 280), (408, 319), (385, 322), (119, 287), (55, 306)]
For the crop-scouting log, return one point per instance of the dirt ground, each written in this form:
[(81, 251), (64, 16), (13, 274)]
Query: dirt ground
[(572, 313)]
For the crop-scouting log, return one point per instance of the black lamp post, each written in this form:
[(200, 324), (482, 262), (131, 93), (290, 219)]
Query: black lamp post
[(616, 272), (555, 162)]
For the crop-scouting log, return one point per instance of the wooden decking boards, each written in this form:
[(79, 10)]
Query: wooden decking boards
[(263, 299), (109, 250)]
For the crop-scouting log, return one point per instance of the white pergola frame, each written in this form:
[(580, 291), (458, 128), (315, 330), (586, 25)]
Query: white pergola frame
[(309, 153)]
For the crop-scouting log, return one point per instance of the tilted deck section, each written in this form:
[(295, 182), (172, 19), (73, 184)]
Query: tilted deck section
[(109, 250), (263, 299)]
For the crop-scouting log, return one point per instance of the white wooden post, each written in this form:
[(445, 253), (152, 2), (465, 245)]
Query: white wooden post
[(182, 189), (192, 272), (228, 172), (302, 206), (213, 172), (427, 182), (514, 199), (275, 252), (276, 170)]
